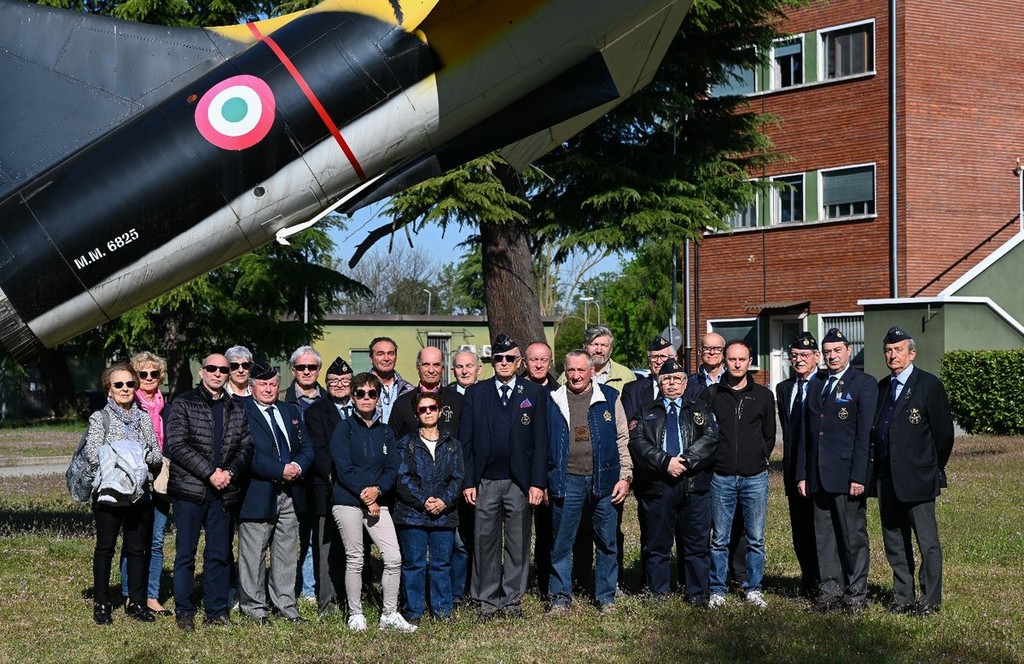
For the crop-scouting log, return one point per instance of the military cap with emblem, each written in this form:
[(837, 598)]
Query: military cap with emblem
[(339, 367), (262, 370), (895, 335), (804, 341), (503, 344), (659, 343), (671, 366), (834, 335)]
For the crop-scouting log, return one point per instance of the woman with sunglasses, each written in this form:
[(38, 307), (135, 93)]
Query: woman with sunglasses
[(240, 363), (365, 469), (429, 483), (121, 501)]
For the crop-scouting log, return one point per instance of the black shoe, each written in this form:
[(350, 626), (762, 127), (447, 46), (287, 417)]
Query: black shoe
[(826, 604), (899, 608), (855, 608), (262, 621), (185, 623), (297, 620), (512, 612), (140, 613), (102, 614), (699, 601), (928, 609), (219, 621)]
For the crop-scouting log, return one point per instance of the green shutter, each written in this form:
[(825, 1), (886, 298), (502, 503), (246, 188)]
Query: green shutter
[(811, 57)]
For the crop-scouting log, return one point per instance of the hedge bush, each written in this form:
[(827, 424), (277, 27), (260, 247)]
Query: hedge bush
[(986, 389)]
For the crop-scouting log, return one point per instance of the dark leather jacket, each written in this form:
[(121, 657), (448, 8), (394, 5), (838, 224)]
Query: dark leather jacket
[(699, 445)]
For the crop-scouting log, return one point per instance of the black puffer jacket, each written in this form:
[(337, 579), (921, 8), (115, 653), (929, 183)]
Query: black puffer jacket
[(189, 445)]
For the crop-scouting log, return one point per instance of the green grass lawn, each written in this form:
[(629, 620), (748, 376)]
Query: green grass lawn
[(49, 440), (45, 614)]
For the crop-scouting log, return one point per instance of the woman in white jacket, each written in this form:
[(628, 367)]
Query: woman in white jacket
[(121, 497)]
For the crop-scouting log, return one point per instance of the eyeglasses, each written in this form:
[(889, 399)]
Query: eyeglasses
[(339, 382), (146, 375), (712, 350), (429, 408), (306, 367), (213, 368), (504, 358), (366, 394), (235, 366), (119, 384)]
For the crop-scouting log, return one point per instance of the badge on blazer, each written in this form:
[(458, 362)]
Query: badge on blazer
[(844, 414), (519, 388), (525, 419), (447, 414), (607, 416), (698, 418), (915, 416), (633, 424)]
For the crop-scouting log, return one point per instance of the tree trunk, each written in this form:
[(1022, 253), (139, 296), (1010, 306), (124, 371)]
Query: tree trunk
[(179, 373), (53, 367)]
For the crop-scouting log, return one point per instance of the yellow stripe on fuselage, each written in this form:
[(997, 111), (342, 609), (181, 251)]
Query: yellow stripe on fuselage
[(413, 13), (456, 31)]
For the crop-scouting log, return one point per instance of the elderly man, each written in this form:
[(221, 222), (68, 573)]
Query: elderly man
[(538, 365), (430, 367), (538, 370), (281, 454), (834, 471), (912, 440), (383, 358), (321, 419), (589, 470), (240, 363), (745, 412), (466, 368), (504, 437), (791, 401), (598, 342), (674, 443), (304, 391), (644, 390), (210, 448)]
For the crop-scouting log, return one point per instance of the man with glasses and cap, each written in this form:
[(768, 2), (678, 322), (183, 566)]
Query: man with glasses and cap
[(791, 400), (210, 448), (674, 442), (504, 436), (321, 419), (833, 469), (268, 519), (912, 440)]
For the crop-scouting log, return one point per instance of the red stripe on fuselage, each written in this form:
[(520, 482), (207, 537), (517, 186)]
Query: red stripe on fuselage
[(306, 90)]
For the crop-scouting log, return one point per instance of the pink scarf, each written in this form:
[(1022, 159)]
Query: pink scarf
[(153, 407)]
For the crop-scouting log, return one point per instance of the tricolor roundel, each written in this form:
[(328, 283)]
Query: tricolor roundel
[(237, 113)]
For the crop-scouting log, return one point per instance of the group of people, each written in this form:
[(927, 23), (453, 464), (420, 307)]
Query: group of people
[(451, 483)]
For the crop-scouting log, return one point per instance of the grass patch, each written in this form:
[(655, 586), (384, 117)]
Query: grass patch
[(45, 584), (49, 440)]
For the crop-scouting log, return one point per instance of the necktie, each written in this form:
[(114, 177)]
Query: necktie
[(505, 390), (796, 415), (895, 391), (672, 431), (282, 440), (828, 387)]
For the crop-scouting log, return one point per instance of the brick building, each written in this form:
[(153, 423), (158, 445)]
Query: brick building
[(810, 255)]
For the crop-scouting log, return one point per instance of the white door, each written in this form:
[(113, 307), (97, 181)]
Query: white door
[(783, 331)]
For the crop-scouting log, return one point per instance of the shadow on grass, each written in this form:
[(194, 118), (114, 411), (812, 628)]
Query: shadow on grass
[(46, 520)]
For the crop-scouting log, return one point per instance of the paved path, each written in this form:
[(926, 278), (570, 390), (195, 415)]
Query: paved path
[(21, 466)]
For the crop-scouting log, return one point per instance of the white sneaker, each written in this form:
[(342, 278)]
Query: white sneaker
[(716, 601), (396, 622), (755, 598), (357, 623)]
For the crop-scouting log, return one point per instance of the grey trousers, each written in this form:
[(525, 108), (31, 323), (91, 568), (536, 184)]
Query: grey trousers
[(329, 557), (841, 539), (351, 521), (502, 517), (899, 519), (281, 537)]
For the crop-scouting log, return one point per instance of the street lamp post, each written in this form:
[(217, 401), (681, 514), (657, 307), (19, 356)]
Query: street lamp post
[(586, 301), (430, 298)]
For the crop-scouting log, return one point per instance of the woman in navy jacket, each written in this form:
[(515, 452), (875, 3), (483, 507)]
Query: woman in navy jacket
[(429, 482), (366, 465)]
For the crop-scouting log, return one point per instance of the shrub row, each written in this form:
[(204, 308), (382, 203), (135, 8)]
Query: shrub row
[(986, 389)]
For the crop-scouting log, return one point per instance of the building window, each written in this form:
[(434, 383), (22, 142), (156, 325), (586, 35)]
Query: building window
[(788, 199), (849, 51), (787, 63), (744, 216), (359, 359), (442, 341), (848, 192), (851, 325), (746, 329), (739, 79)]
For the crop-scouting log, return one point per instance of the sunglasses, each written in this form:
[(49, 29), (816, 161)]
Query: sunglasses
[(366, 394), (146, 375), (213, 368), (504, 358), (119, 384), (306, 367), (430, 408), (235, 366)]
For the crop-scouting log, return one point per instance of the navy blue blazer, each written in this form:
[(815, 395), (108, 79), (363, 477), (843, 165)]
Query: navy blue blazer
[(321, 419), (838, 435), (259, 500), (920, 436), (636, 394), (528, 457), (791, 439)]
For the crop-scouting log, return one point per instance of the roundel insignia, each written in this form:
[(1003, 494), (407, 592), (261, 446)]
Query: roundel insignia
[(698, 418), (237, 113)]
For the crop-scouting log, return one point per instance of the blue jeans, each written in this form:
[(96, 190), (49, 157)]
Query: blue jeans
[(191, 520), (566, 513), (751, 493), (460, 566), (420, 544), (161, 514)]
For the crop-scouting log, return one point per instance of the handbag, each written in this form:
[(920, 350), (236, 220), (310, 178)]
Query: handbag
[(160, 483)]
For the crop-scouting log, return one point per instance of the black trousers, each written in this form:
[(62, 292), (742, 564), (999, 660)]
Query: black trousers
[(135, 521), (801, 523)]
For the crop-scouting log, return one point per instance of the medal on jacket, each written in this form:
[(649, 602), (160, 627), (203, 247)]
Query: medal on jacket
[(844, 414), (525, 419), (915, 416), (698, 418), (607, 416)]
